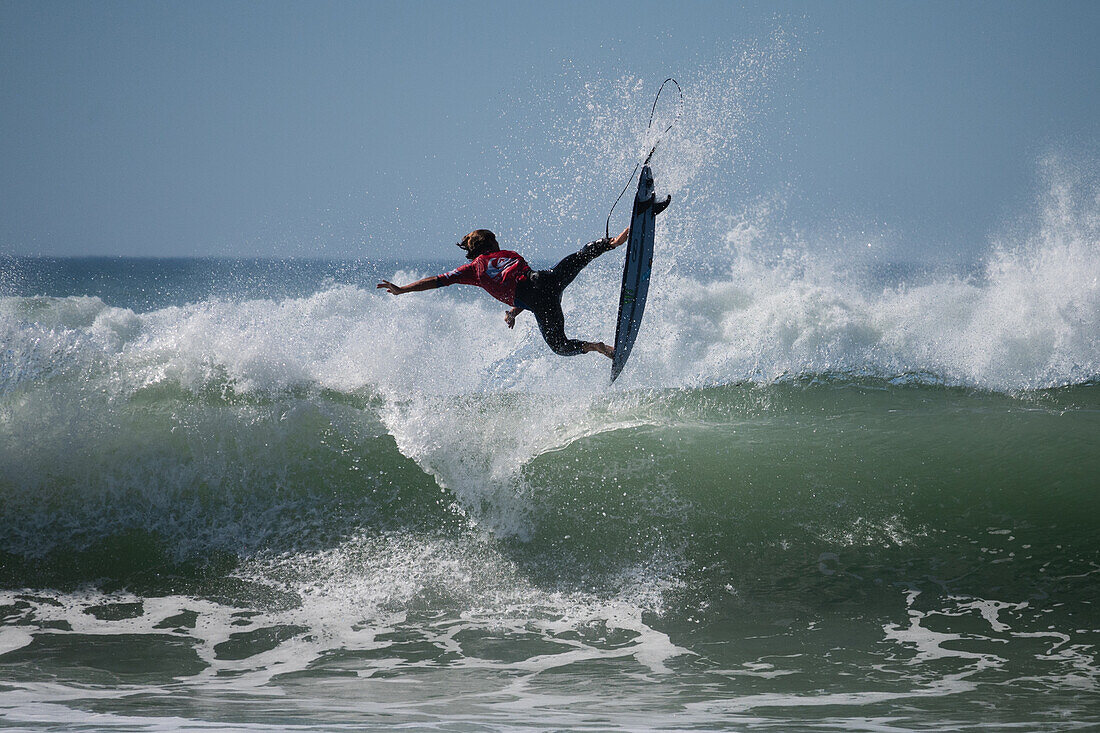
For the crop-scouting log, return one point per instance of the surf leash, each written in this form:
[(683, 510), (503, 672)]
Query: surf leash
[(652, 111)]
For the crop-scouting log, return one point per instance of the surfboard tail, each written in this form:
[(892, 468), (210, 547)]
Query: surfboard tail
[(616, 370)]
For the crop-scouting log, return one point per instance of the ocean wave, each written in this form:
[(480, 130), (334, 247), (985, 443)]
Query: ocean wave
[(251, 424), (785, 470)]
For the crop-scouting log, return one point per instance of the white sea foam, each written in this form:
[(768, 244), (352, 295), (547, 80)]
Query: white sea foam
[(1032, 320)]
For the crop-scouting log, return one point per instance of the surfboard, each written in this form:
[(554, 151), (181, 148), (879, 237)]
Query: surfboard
[(639, 261)]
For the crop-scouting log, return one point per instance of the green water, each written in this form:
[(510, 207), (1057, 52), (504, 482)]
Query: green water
[(833, 555)]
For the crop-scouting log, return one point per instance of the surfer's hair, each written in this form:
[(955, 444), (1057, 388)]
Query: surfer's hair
[(479, 241)]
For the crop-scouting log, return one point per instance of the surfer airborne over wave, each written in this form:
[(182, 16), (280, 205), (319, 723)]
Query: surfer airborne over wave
[(506, 276)]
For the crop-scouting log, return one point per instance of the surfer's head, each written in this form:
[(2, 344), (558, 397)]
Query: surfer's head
[(478, 242)]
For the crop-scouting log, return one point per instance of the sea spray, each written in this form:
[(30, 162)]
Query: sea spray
[(820, 485)]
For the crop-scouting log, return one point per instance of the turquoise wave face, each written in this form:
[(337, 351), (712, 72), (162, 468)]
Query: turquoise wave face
[(862, 547), (812, 480), (753, 484)]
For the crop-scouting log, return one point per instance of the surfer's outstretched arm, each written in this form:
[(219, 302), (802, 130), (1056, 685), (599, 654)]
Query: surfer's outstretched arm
[(428, 283)]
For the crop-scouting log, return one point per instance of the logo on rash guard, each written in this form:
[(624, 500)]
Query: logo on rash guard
[(496, 266)]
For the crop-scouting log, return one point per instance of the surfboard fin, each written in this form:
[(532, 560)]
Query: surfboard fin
[(660, 206)]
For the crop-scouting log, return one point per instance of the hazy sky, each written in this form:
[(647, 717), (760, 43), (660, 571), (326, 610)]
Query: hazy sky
[(392, 128)]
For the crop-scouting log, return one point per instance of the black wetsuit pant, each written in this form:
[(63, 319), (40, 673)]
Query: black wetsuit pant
[(541, 293)]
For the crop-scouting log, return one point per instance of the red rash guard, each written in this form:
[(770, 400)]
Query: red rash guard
[(497, 272)]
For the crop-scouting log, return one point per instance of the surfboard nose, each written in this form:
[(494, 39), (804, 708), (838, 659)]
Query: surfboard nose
[(645, 185)]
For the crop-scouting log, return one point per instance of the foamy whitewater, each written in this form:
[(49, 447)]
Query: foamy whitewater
[(831, 490)]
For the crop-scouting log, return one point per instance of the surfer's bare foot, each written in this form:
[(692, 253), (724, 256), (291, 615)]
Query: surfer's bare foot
[(661, 205), (601, 347)]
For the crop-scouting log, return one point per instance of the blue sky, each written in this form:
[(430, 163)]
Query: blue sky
[(378, 129)]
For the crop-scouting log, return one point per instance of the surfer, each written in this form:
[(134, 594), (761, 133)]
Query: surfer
[(506, 276)]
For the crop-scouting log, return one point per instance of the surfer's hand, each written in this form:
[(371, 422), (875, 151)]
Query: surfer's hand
[(391, 288), (621, 238), (510, 316)]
